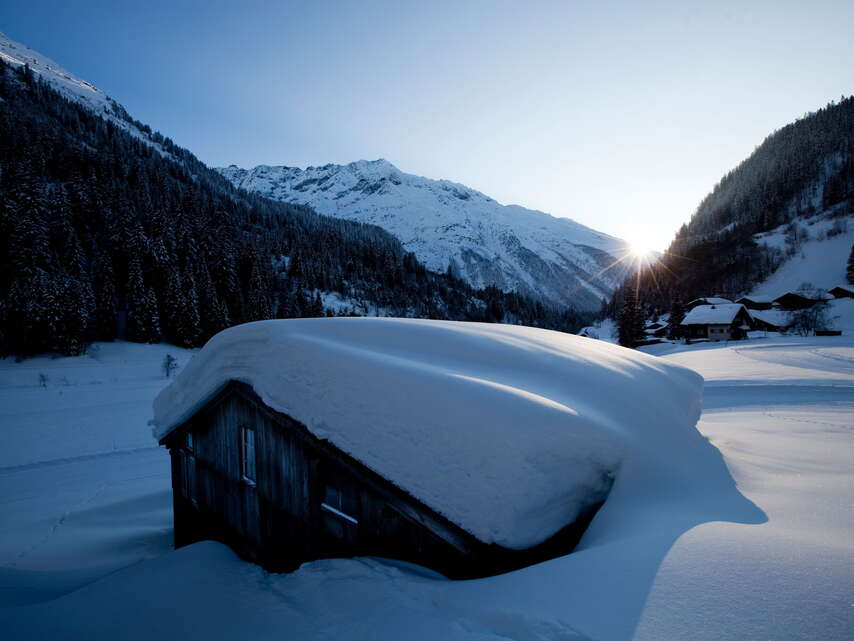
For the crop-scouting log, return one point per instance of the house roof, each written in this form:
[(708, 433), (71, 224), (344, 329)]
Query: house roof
[(509, 432), (713, 314), (846, 288), (811, 297), (710, 300), (776, 317), (756, 299)]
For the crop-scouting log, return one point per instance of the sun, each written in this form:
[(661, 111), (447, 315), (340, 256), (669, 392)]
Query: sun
[(640, 248)]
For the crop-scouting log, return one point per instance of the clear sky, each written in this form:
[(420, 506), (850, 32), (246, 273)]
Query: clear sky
[(621, 115)]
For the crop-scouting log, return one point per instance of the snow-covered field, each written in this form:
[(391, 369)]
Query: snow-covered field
[(753, 543)]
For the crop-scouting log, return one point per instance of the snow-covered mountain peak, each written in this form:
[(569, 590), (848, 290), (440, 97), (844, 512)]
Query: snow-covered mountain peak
[(450, 225), (74, 88), (69, 85)]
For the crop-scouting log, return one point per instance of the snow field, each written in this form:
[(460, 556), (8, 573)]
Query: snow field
[(754, 543)]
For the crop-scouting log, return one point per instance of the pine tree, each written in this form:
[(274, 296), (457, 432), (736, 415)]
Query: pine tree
[(316, 308), (630, 323), (143, 318), (849, 271), (674, 324)]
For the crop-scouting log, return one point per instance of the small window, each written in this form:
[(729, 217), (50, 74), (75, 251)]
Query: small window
[(189, 441), (334, 502), (188, 487), (247, 454)]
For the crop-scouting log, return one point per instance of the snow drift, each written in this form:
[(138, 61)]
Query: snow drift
[(508, 431)]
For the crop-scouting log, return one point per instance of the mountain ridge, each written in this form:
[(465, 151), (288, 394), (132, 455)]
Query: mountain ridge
[(448, 225)]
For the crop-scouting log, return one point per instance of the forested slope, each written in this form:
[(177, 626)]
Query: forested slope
[(104, 236), (800, 173)]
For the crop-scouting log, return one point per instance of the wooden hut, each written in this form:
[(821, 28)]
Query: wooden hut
[(297, 440), (261, 482)]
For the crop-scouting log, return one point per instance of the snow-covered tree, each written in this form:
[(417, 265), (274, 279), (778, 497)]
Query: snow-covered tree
[(630, 323)]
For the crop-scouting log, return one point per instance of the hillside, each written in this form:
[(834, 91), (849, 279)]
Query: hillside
[(451, 226), (108, 231), (792, 198)]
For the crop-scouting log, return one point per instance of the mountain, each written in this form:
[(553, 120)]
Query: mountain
[(109, 230), (784, 215), (81, 92), (448, 225)]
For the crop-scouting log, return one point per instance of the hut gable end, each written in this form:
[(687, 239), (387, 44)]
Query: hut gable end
[(286, 516)]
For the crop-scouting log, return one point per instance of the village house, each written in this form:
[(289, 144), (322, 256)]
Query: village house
[(298, 440), (842, 291), (771, 320), (708, 300), (730, 321), (756, 302), (792, 301)]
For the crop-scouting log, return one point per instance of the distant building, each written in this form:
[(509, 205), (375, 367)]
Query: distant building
[(656, 329), (770, 320), (756, 302), (842, 291), (798, 300), (709, 300), (724, 322)]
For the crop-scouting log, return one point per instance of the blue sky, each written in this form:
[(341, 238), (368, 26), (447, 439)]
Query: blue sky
[(619, 115)]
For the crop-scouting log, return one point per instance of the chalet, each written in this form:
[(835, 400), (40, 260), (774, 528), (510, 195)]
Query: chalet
[(756, 302), (842, 291), (770, 320), (656, 329), (709, 300), (295, 440), (791, 301), (725, 322)]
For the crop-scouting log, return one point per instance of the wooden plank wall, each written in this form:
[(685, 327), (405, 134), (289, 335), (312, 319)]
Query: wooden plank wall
[(278, 522)]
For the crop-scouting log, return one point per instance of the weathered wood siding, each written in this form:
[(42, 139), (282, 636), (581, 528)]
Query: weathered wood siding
[(278, 521)]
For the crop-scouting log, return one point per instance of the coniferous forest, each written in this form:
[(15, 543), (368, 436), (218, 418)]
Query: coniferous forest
[(801, 170), (106, 235)]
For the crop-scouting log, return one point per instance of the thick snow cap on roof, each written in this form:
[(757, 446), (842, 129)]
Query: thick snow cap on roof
[(507, 431), (712, 314)]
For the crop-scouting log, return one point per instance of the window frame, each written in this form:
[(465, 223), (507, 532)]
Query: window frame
[(247, 475), (330, 506), (188, 472)]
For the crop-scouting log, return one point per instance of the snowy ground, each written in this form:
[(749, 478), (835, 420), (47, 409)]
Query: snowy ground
[(755, 544)]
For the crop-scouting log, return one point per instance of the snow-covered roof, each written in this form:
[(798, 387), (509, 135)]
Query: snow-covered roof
[(776, 317), (507, 431), (758, 299), (713, 314), (843, 287), (711, 300)]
